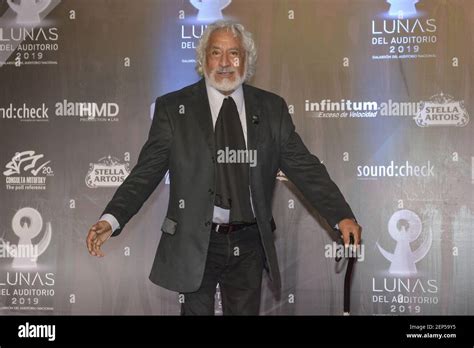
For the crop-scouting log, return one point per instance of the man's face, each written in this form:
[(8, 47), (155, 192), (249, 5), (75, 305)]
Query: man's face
[(225, 61)]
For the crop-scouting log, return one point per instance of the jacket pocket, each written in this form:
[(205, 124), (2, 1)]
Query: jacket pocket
[(169, 226)]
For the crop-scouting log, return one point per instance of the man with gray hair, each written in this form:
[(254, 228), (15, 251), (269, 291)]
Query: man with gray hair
[(219, 227)]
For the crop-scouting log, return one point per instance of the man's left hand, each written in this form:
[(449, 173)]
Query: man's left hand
[(348, 226)]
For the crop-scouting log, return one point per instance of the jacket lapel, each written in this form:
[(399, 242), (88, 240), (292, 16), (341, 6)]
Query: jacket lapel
[(252, 111), (202, 112)]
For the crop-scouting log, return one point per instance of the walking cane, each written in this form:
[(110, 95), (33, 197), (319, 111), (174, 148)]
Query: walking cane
[(347, 278)]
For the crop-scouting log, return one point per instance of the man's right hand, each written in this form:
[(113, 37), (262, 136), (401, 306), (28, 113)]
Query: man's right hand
[(97, 236)]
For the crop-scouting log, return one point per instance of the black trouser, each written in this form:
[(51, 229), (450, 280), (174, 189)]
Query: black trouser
[(235, 261)]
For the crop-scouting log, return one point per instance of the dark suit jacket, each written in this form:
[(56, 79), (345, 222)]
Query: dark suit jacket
[(184, 144)]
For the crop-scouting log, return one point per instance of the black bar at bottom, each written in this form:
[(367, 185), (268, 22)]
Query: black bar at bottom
[(136, 330)]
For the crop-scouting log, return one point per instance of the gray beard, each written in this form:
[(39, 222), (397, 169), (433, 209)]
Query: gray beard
[(225, 85)]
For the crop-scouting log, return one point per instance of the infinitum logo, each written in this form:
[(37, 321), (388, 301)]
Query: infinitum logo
[(327, 108), (393, 170)]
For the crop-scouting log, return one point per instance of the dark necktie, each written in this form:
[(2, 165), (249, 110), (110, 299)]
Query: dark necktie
[(232, 181)]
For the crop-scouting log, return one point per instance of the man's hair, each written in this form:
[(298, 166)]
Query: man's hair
[(238, 30)]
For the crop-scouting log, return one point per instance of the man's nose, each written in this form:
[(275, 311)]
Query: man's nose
[(225, 61)]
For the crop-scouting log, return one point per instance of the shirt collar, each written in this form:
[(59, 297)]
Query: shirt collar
[(217, 98)]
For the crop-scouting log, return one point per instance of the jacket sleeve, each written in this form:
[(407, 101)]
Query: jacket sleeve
[(151, 166), (308, 174)]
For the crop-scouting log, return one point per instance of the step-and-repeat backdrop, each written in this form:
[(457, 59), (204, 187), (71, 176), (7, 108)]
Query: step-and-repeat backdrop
[(379, 90)]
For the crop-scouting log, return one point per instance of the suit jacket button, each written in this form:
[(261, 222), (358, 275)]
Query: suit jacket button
[(207, 223), (210, 191)]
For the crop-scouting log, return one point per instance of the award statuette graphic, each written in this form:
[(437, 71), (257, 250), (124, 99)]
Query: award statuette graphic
[(27, 223), (405, 227), (402, 8), (210, 10), (28, 11)]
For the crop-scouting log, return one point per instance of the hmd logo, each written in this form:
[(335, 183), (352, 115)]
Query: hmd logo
[(37, 331)]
